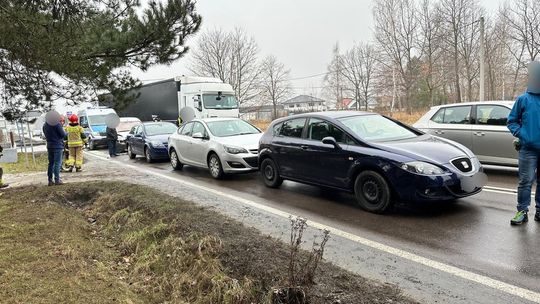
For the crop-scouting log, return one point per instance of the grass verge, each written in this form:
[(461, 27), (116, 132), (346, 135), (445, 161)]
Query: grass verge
[(104, 242), (21, 167)]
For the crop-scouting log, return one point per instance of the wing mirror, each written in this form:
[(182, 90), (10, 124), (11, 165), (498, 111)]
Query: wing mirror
[(331, 141), (199, 135)]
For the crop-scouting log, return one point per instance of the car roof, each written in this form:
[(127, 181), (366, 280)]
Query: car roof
[(327, 114), (129, 119), (216, 119), (472, 103)]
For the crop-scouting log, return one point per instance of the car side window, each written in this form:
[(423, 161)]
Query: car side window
[(454, 115), (439, 116), (186, 130), (132, 131), (492, 115), (138, 130), (319, 129), (198, 128), (277, 128), (293, 128)]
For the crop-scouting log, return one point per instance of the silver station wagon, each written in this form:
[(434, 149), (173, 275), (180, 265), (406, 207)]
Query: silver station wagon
[(479, 126)]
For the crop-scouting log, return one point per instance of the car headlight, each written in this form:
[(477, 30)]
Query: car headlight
[(156, 143), (422, 168), (235, 150)]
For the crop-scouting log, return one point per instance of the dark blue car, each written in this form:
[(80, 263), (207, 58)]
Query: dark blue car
[(380, 160), (150, 139)]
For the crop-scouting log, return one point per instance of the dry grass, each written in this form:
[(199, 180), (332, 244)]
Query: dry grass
[(104, 242), (21, 167)]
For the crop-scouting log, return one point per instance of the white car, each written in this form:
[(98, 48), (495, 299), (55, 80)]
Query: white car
[(222, 145)]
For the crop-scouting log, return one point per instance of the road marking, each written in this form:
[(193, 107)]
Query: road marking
[(503, 190), (458, 272)]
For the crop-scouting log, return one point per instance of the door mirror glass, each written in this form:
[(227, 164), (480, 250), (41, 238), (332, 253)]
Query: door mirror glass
[(197, 102)]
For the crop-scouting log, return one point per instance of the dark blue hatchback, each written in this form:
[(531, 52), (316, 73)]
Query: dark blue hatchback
[(380, 160), (150, 139)]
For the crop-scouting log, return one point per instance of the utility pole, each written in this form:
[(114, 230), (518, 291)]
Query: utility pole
[(482, 55)]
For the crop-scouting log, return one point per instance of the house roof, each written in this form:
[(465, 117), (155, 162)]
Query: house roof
[(303, 99)]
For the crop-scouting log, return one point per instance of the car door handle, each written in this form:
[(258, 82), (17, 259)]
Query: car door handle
[(303, 147), (439, 132), (479, 133)]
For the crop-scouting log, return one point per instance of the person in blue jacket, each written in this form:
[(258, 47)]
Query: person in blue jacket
[(55, 134), (524, 123)]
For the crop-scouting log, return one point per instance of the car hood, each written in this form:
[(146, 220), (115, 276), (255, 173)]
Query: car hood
[(248, 141), (427, 148), (164, 138)]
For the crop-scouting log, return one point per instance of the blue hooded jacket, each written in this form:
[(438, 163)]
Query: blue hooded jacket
[(524, 120), (54, 135)]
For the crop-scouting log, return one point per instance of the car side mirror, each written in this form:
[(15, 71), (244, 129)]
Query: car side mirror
[(199, 135), (331, 141), (199, 106)]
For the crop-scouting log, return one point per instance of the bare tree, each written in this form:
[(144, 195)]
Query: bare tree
[(523, 17), (274, 82), (358, 69), (229, 56), (431, 51), (396, 31), (333, 80)]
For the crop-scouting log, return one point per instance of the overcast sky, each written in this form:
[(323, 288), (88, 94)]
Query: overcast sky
[(300, 33)]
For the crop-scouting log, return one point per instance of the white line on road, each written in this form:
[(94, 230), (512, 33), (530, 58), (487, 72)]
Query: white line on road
[(458, 272)]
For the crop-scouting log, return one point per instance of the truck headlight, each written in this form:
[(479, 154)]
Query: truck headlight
[(422, 168), (235, 150)]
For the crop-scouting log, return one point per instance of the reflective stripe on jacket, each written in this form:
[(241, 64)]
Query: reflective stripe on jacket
[(75, 135)]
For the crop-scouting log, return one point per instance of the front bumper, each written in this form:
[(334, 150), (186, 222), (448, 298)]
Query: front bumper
[(239, 163), (418, 188), (159, 152)]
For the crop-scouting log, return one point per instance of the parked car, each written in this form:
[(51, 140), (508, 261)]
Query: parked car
[(151, 140), (123, 129), (380, 160), (479, 126), (222, 145)]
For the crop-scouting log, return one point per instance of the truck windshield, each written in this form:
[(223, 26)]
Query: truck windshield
[(221, 102)]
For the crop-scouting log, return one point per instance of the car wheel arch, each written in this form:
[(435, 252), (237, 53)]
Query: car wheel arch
[(368, 166)]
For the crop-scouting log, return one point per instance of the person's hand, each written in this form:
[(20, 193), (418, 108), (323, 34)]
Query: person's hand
[(517, 144)]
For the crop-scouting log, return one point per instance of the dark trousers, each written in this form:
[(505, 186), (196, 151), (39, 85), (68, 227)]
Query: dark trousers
[(111, 143), (55, 163)]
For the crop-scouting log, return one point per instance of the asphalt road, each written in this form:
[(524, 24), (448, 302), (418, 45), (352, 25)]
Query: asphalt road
[(472, 234)]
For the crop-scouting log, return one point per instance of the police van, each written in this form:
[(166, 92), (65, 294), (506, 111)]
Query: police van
[(95, 127)]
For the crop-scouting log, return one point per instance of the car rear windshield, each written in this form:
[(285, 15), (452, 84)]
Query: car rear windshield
[(125, 126), (376, 128), (223, 128), (160, 128)]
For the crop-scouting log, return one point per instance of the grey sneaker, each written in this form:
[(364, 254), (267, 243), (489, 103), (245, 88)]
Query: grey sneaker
[(59, 183)]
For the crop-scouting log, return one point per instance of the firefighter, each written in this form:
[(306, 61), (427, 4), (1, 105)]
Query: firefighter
[(76, 140)]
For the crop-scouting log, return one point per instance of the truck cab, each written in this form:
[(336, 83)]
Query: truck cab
[(205, 97), (93, 122)]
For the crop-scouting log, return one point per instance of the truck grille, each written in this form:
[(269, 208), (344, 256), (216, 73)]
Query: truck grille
[(463, 164)]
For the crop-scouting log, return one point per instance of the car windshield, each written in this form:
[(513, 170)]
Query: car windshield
[(160, 128), (222, 128), (221, 102), (126, 126), (376, 128), (96, 119)]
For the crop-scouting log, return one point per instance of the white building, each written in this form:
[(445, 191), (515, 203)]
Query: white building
[(304, 104)]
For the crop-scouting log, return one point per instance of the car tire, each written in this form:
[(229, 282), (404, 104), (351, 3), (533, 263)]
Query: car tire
[(215, 167), (372, 192), (130, 152), (91, 145), (148, 156), (175, 162), (270, 173)]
